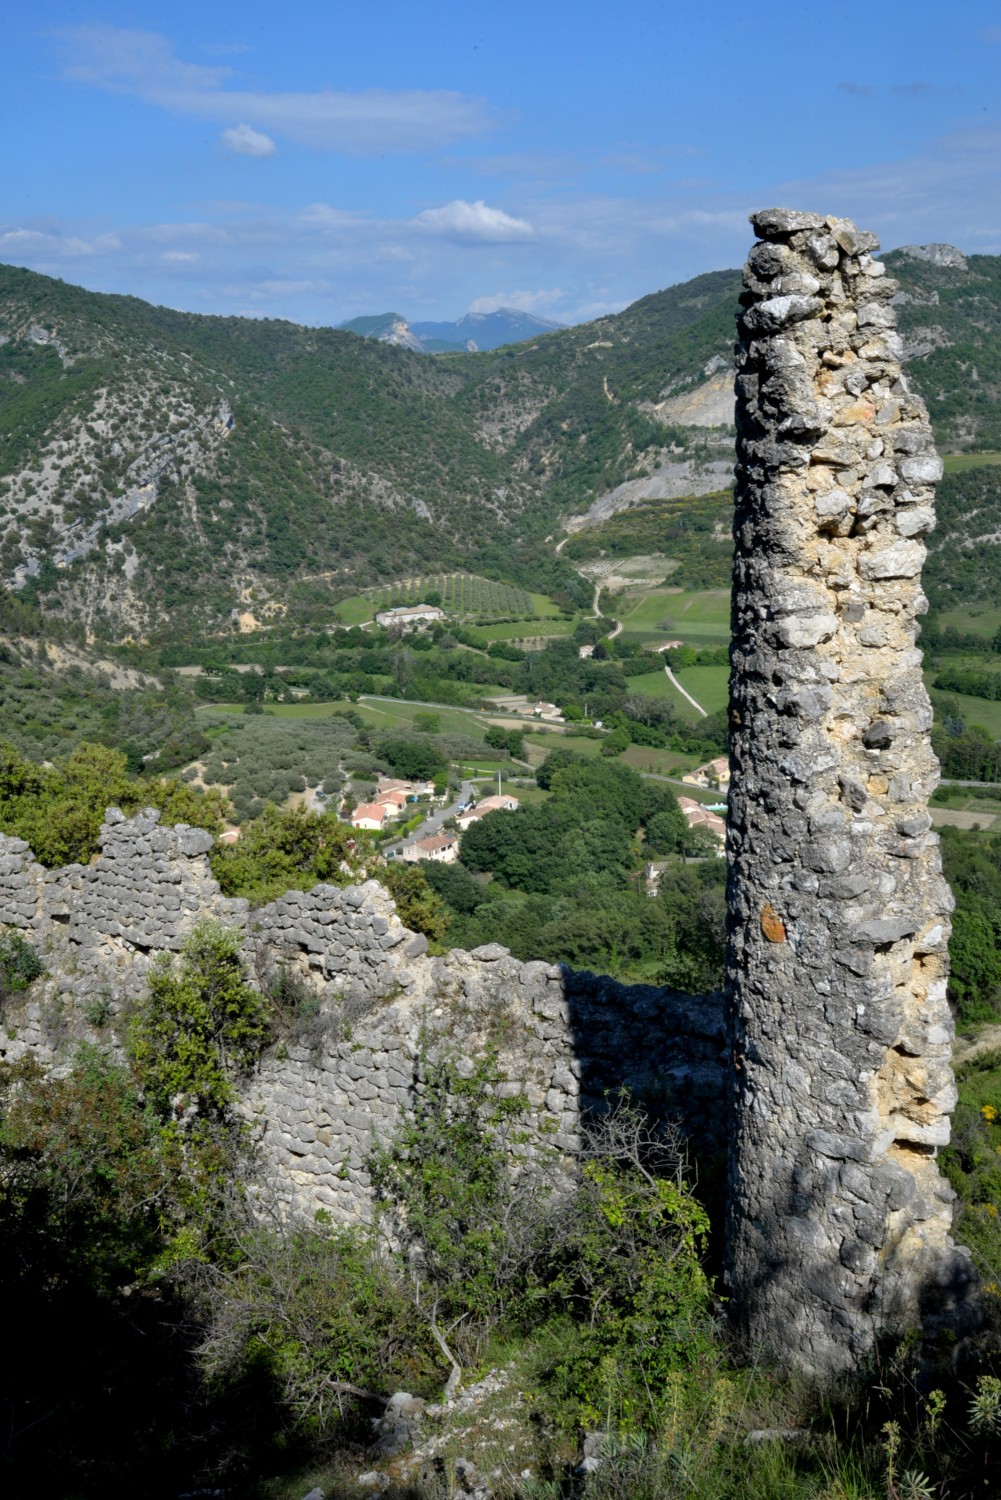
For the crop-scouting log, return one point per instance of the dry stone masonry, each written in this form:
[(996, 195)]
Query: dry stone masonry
[(376, 1005), (839, 916)]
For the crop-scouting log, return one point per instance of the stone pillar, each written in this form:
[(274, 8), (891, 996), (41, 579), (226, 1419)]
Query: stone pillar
[(838, 1217)]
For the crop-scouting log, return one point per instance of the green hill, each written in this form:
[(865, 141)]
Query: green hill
[(161, 472)]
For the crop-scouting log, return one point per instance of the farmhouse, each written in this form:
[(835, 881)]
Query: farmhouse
[(410, 789), (698, 816), (441, 847), (410, 615), (371, 815)]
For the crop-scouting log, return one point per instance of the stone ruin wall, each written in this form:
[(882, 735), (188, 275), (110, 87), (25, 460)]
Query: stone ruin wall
[(343, 1078), (839, 915)]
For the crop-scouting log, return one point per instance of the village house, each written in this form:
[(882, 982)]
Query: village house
[(501, 803), (393, 798), (713, 773), (409, 615), (371, 815), (697, 816), (411, 789), (549, 711), (441, 847)]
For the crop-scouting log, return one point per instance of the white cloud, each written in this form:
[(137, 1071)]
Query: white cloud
[(474, 223), (245, 141), (53, 244), (126, 60)]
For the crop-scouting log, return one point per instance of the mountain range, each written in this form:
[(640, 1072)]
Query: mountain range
[(470, 334), (162, 472)]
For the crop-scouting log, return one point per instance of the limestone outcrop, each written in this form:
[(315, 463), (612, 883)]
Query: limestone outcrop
[(838, 1219)]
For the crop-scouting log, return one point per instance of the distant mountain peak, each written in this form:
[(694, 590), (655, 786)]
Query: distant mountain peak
[(473, 332)]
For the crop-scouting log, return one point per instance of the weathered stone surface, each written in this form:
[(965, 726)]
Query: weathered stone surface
[(341, 1082), (838, 1220)]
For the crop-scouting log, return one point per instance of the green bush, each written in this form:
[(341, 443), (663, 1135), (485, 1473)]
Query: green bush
[(321, 1316), (19, 963), (627, 1261), (287, 849), (59, 809), (201, 1026)]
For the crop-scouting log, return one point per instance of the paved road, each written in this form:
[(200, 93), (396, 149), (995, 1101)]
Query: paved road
[(434, 820)]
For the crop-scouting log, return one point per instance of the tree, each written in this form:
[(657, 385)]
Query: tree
[(414, 758)]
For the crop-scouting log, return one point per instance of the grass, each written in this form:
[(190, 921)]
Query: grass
[(576, 742), (516, 630), (701, 618), (652, 684), (357, 610), (659, 762), (707, 685), (958, 463), (975, 619), (984, 711)]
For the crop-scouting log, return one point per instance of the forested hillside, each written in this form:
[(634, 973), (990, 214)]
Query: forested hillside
[(160, 471)]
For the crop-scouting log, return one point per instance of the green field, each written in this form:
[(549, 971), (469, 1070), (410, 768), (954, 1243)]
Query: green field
[(695, 618), (576, 742), (976, 619), (958, 463), (707, 685), (653, 684), (381, 715), (355, 611), (659, 762)]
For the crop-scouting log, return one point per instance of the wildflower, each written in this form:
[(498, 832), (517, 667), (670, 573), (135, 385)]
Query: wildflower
[(989, 1113)]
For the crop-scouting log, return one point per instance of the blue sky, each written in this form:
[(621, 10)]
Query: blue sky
[(321, 161)]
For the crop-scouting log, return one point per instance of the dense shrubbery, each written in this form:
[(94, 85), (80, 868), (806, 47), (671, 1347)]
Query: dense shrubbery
[(287, 849), (59, 809)]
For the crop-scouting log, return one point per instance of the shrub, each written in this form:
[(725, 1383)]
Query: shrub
[(19, 963), (201, 1026), (628, 1260), (319, 1313)]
